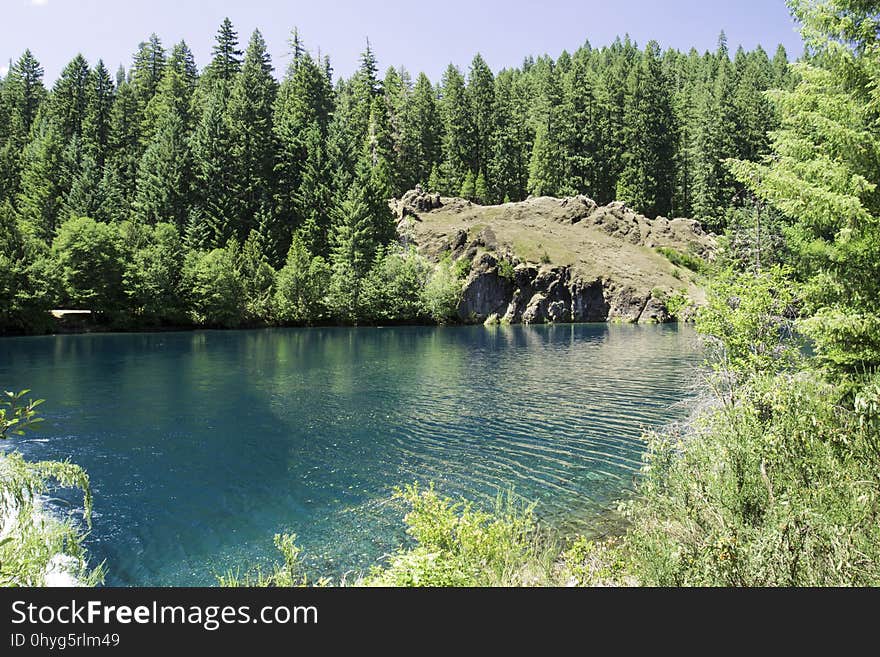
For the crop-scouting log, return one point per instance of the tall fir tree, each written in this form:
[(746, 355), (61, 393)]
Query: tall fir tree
[(646, 182), (21, 97), (251, 107), (212, 220), (458, 130), (226, 57), (481, 100)]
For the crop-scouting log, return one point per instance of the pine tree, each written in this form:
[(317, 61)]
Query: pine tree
[(21, 97), (481, 190), (381, 149), (352, 255), (547, 164), (213, 219), (753, 112), (97, 120), (422, 130), (617, 62), (123, 153), (458, 130), (481, 100), (509, 164), (41, 197), (397, 86), (304, 104), (713, 188), (313, 201), (434, 181), (69, 98), (226, 62), (164, 178), (251, 108), (467, 186), (147, 72), (646, 182), (580, 126)]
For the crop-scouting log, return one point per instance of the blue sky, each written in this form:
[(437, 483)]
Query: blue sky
[(421, 36)]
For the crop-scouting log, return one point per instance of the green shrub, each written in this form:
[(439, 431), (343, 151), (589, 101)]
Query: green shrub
[(301, 286), (215, 289), (459, 545), (506, 269), (777, 487), (31, 537), (393, 290), (679, 259), (442, 294)]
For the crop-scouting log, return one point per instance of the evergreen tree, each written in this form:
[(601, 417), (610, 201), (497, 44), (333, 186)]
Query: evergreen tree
[(481, 190), (509, 164), (253, 147), (313, 200), (41, 196), (226, 61), (21, 96), (467, 186), (481, 100), (147, 72), (303, 108), (97, 120), (646, 182), (422, 131), (164, 178), (580, 126), (547, 164), (713, 188), (123, 153), (212, 220), (458, 130)]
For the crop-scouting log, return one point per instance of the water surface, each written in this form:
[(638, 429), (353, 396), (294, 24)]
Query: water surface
[(202, 445)]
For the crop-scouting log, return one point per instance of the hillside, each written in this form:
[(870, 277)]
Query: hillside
[(556, 260)]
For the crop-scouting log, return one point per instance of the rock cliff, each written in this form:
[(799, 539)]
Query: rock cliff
[(556, 260)]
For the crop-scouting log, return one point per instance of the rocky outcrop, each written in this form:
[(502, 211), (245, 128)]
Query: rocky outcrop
[(597, 263), (541, 295), (486, 291)]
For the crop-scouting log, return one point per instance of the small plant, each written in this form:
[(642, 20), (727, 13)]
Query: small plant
[(506, 269), (680, 259), (545, 258), (462, 268)]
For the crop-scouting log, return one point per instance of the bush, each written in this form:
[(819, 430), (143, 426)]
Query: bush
[(393, 290), (458, 545), (89, 260), (32, 541), (778, 488), (301, 286), (680, 259), (153, 274), (749, 321), (442, 293), (214, 288)]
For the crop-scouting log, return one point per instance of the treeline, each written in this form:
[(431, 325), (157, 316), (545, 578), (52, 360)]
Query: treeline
[(228, 165)]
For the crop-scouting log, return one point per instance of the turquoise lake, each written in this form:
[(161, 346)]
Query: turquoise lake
[(202, 445)]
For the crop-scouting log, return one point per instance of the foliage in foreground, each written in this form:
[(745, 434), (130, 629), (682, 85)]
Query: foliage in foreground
[(456, 544), (31, 541)]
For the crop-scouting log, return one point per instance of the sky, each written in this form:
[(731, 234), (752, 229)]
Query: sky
[(421, 36)]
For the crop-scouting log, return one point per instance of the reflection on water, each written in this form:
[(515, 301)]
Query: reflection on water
[(201, 446)]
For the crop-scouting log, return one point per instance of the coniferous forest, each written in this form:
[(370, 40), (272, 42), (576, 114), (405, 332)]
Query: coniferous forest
[(170, 196), (166, 195)]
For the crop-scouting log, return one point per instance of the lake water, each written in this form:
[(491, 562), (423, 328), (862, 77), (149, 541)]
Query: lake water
[(201, 446)]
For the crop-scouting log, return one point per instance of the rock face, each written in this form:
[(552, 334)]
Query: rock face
[(548, 294), (554, 260), (486, 291)]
